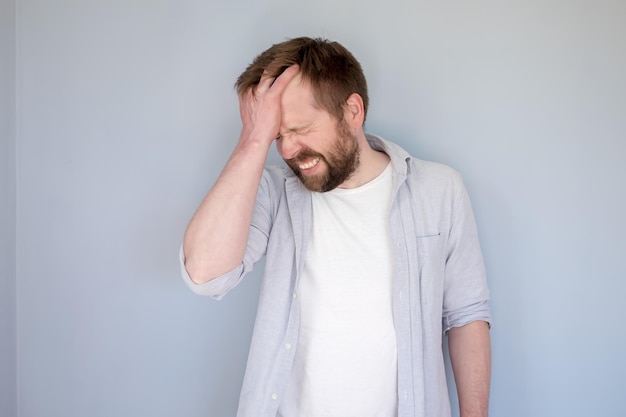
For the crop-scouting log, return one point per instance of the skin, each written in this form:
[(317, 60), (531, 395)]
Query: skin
[(470, 355), (311, 139), (283, 110), (341, 162)]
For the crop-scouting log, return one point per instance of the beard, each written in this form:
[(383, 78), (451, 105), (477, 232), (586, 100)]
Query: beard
[(341, 162)]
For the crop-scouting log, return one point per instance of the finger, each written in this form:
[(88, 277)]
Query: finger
[(265, 82), (281, 82)]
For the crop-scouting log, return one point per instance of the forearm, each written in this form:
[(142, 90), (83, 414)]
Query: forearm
[(470, 354), (215, 240)]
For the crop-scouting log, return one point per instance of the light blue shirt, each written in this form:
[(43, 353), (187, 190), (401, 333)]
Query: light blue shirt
[(439, 280)]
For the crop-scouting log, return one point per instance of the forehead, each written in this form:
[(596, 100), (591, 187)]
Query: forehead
[(298, 102)]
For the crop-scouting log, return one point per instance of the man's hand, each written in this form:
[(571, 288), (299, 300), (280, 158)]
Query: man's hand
[(260, 108)]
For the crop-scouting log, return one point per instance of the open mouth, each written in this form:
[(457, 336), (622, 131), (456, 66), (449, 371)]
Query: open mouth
[(310, 164)]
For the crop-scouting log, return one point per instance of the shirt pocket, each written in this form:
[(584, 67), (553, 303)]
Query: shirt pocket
[(431, 266), (429, 245)]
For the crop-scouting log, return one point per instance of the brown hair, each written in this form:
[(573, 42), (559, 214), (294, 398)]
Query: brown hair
[(332, 71)]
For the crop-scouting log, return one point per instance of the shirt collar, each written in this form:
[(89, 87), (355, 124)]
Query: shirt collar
[(399, 157)]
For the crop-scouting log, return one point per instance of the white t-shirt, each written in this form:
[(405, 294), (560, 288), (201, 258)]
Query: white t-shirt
[(346, 358)]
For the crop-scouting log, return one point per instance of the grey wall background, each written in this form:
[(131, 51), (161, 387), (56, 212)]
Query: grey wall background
[(8, 398), (125, 114)]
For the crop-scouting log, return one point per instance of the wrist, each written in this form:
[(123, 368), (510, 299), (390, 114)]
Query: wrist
[(256, 138)]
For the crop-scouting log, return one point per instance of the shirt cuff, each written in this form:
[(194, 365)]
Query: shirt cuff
[(475, 312), (215, 288)]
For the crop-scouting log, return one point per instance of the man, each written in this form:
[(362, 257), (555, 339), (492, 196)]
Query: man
[(371, 255)]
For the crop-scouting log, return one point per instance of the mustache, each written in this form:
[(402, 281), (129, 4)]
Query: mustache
[(304, 155)]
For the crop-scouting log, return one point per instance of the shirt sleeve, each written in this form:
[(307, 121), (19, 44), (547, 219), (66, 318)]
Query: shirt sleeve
[(216, 287), (466, 295)]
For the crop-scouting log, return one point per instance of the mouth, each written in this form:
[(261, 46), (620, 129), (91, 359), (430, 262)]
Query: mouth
[(310, 164)]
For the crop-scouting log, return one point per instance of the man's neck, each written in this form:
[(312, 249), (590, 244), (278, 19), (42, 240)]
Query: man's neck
[(371, 164)]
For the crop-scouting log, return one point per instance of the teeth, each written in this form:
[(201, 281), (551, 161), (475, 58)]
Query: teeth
[(309, 165)]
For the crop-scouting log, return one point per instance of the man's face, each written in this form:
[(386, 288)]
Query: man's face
[(320, 150)]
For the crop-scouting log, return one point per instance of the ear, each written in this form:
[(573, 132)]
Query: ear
[(354, 113)]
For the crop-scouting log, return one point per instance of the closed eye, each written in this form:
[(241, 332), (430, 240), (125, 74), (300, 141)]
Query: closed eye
[(297, 130)]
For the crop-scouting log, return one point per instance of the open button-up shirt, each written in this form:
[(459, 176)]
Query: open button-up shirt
[(438, 282)]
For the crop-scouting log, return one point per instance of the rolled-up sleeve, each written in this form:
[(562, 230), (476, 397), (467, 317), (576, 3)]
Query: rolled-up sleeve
[(216, 287), (466, 294)]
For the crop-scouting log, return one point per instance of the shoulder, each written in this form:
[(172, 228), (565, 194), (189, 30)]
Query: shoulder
[(432, 176), (434, 185), (428, 171), (415, 168)]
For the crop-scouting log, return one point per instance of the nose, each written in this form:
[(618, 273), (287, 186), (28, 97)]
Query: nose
[(288, 146)]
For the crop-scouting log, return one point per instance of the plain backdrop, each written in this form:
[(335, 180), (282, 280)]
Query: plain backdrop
[(117, 116)]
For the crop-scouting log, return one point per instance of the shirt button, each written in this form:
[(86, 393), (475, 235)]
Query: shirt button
[(274, 396), (287, 346), (295, 295)]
